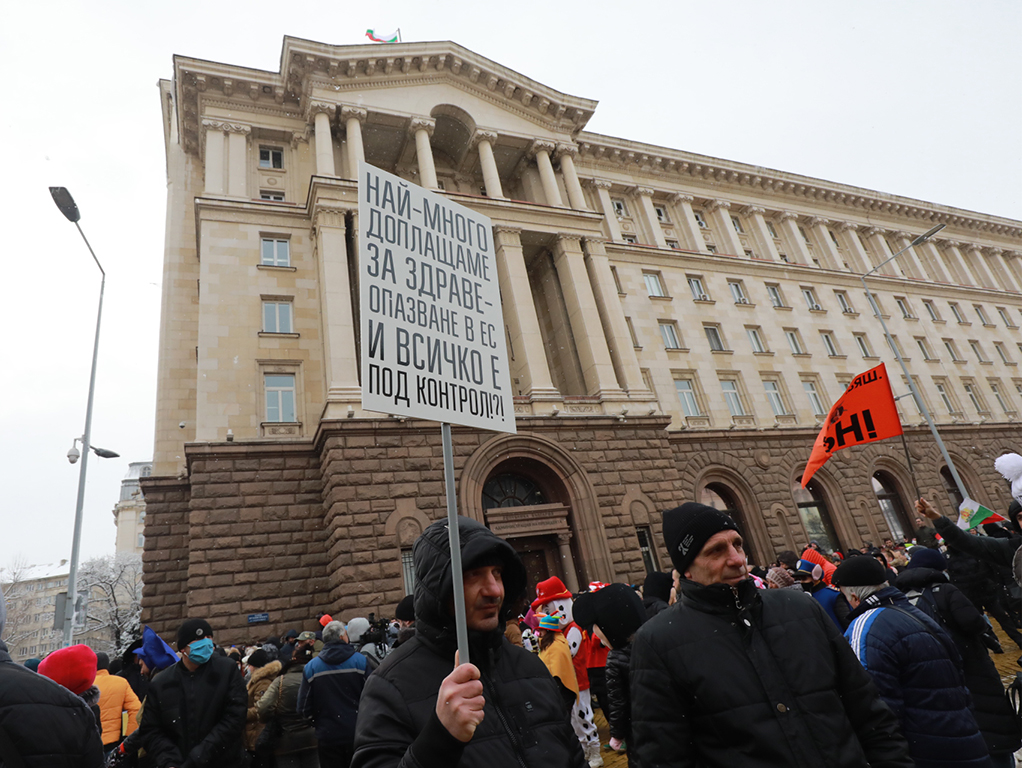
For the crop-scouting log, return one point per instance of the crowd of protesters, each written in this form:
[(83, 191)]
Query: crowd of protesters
[(872, 657)]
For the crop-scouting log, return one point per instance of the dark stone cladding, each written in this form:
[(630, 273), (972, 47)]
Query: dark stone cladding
[(296, 528)]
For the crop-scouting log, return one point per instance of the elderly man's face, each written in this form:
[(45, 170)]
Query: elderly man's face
[(722, 560)]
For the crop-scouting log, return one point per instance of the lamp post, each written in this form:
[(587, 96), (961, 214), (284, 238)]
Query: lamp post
[(897, 354), (67, 206)]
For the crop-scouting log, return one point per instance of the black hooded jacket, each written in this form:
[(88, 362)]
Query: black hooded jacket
[(754, 678), (525, 724), (949, 607)]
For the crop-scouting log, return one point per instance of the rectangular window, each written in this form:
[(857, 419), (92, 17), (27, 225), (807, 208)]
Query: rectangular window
[(771, 230), (276, 252), (1005, 318), (271, 157), (945, 397), (700, 219), (408, 571), (280, 397), (999, 396), (981, 314), (654, 286), (271, 195), (619, 207), (773, 393), (755, 339), (695, 284), (828, 343), (661, 214), (952, 350), (674, 245), (977, 351), (794, 341), (1003, 353), (732, 397), (774, 293), (277, 317), (974, 397), (646, 548), (710, 248), (631, 332), (810, 296), (737, 291), (931, 310), (713, 336), (863, 344), (630, 239), (617, 280), (842, 300), (924, 348), (737, 223), (957, 313), (903, 307), (687, 395), (814, 398), (669, 333)]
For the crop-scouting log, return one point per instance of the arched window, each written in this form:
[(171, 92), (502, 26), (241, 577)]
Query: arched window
[(953, 494), (724, 498), (815, 517), (508, 490), (891, 505)]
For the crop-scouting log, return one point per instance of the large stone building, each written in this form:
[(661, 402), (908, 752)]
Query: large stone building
[(677, 325), (129, 511)]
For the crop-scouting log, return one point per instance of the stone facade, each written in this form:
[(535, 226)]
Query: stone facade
[(677, 327)]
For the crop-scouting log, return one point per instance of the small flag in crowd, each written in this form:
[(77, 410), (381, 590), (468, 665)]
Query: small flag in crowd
[(971, 513), (392, 38)]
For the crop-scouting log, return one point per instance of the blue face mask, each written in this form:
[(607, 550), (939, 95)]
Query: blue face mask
[(200, 651)]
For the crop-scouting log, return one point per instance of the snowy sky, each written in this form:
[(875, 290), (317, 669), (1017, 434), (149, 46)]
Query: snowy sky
[(912, 97)]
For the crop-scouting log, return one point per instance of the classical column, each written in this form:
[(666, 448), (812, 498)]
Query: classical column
[(567, 562), (754, 215), (829, 256), (584, 318), (999, 267), (324, 115), (603, 195), (214, 157), (978, 264), (622, 349), (541, 150), (341, 362), (797, 250), (933, 263), (692, 234), (720, 213), (909, 259), (875, 237), (1013, 264), (645, 197), (237, 160), (353, 118), (858, 258), (484, 141), (422, 128), (956, 262), (566, 154), (529, 363)]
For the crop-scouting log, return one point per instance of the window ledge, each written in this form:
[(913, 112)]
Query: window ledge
[(801, 354), (1012, 327), (744, 420), (697, 421), (745, 304), (986, 362), (785, 418), (722, 351), (280, 171), (621, 293), (272, 334), (939, 322), (1010, 362), (989, 325), (783, 309), (674, 349), (911, 317), (764, 354), (703, 301), (281, 428), (838, 357), (870, 357), (853, 313), (931, 359), (965, 322), (817, 311), (960, 362), (276, 268), (637, 348), (661, 298)]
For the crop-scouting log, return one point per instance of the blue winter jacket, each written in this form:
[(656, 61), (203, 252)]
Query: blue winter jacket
[(917, 669), (331, 687)]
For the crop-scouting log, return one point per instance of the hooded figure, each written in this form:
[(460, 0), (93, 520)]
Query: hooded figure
[(656, 592), (525, 719)]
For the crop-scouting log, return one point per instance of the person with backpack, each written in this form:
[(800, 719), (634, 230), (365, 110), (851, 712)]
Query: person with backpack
[(291, 735)]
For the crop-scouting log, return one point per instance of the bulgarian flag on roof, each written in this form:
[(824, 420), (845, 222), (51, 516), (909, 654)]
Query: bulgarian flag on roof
[(971, 513), (392, 38)]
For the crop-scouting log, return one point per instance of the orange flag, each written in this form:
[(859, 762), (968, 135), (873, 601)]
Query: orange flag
[(865, 413)]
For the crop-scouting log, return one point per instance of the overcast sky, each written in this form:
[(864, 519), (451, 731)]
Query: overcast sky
[(912, 97)]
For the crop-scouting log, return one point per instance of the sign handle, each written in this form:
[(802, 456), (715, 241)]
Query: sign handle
[(454, 537)]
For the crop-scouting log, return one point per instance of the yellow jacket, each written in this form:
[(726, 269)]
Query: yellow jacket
[(557, 657), (115, 697)]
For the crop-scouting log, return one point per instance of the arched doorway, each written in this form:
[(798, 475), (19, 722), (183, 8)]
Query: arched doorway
[(814, 515), (726, 499), (954, 496), (892, 505)]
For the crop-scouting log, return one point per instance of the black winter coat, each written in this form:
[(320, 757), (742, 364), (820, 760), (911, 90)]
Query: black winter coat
[(48, 725), (526, 723), (754, 678), (618, 695), (997, 552), (955, 613), (196, 719), (653, 606)]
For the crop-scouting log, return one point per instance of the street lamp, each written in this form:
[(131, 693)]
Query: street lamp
[(897, 354), (67, 206)]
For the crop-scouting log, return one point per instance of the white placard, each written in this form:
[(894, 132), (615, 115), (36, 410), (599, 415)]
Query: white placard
[(433, 342)]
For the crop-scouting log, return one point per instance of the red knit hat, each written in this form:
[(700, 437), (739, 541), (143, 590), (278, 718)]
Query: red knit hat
[(73, 667), (324, 620), (551, 589)]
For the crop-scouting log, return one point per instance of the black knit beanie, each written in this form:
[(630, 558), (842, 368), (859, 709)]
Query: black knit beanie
[(658, 584), (405, 610), (192, 630), (687, 529), (616, 609), (861, 571)]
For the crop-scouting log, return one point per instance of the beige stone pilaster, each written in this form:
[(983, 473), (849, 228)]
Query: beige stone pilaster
[(566, 154), (645, 197), (422, 128), (1013, 264), (933, 262), (881, 252), (484, 141), (754, 215), (603, 195), (909, 259), (237, 160), (692, 234), (529, 364), (353, 118), (719, 212), (978, 264), (828, 253), (797, 250), (956, 263), (541, 151), (858, 259), (584, 319), (214, 166), (340, 361), (622, 349), (999, 267), (323, 115)]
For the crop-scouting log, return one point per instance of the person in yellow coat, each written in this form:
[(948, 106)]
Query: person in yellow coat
[(115, 699), (554, 652)]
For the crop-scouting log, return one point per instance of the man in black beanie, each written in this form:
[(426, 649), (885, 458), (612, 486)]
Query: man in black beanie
[(195, 710), (731, 675)]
